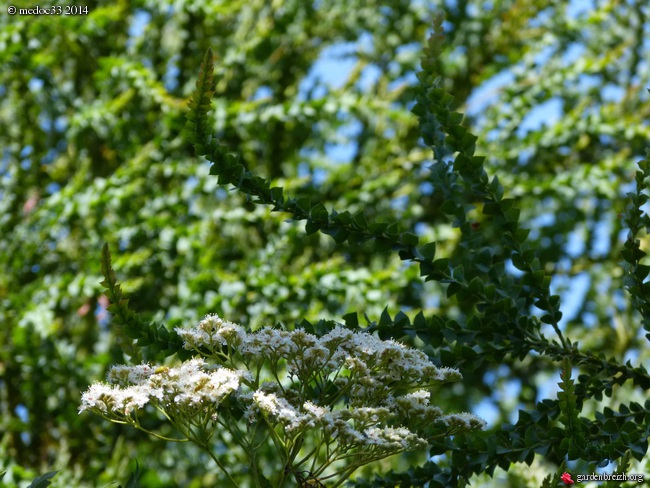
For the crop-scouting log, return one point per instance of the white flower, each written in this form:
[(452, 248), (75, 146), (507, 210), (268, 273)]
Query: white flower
[(303, 339), (465, 421), (356, 365), (315, 410), (212, 332), (280, 409), (190, 384), (269, 343), (308, 361), (124, 375), (367, 415), (394, 439), (107, 399), (337, 336), (133, 397), (94, 397)]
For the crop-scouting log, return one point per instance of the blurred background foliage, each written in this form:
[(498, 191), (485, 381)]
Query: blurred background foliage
[(316, 96)]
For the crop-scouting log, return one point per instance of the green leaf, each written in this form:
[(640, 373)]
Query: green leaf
[(132, 482), (311, 227), (351, 320), (409, 239), (428, 250), (385, 318), (491, 208), (360, 220), (319, 213), (43, 481)]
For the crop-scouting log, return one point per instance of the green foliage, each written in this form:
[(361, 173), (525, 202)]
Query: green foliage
[(552, 481), (504, 266), (43, 481), (636, 219), (93, 154), (502, 305), (132, 482), (150, 338), (227, 166), (623, 468), (574, 441), (198, 127)]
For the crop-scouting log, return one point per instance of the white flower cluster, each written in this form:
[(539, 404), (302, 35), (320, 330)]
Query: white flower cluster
[(355, 396), (188, 385), (370, 427), (358, 352), (357, 366), (350, 428)]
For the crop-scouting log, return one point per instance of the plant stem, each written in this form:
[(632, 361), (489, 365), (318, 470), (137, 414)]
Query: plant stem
[(221, 466)]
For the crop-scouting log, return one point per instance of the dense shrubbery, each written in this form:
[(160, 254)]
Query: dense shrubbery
[(507, 267)]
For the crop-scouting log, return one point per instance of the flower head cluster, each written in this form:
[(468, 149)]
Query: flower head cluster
[(358, 352), (355, 397), (373, 376), (189, 385)]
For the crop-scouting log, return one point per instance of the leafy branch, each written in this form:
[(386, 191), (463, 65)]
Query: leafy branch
[(442, 129), (636, 273), (343, 226), (471, 345), (355, 228), (574, 441), (154, 338)]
